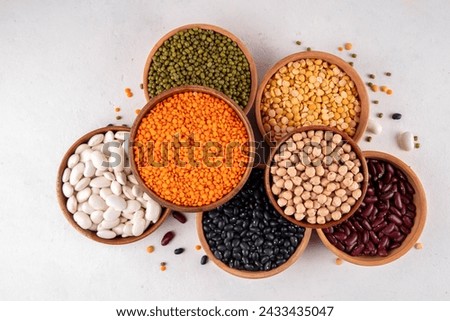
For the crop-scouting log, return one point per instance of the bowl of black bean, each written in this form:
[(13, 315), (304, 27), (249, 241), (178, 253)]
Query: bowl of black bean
[(390, 219), (247, 237)]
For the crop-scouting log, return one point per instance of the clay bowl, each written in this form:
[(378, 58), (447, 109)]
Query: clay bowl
[(419, 222), (332, 59), (161, 97), (62, 200), (250, 274), (304, 223), (245, 51)]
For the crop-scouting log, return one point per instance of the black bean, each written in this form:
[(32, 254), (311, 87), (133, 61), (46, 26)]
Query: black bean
[(204, 260), (396, 116), (178, 251)]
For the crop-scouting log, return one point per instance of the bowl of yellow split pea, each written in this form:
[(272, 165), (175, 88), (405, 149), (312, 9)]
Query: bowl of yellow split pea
[(311, 88)]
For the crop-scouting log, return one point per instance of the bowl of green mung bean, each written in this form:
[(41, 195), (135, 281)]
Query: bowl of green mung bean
[(205, 55)]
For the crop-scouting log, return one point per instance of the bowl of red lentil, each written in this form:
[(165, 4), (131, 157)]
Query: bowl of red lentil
[(192, 148), (311, 88), (390, 219), (204, 55)]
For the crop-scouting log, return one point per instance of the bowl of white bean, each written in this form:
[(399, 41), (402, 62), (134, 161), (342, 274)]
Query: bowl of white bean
[(98, 194), (316, 177)]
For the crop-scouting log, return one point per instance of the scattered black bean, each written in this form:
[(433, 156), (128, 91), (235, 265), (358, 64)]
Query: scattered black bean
[(396, 116), (264, 239), (388, 74), (385, 217), (204, 260), (178, 251), (141, 86)]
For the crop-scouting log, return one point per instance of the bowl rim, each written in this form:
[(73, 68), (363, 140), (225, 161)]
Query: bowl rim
[(343, 65), (251, 274), (206, 90), (62, 199), (268, 175), (234, 38), (419, 222)]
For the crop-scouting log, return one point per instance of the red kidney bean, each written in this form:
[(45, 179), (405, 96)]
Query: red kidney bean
[(395, 211), (407, 221), (179, 217), (367, 211), (385, 217), (405, 230), (394, 246), (396, 219), (374, 237), (366, 225), (382, 252), (381, 226), (371, 199), (364, 237), (388, 229), (346, 229), (384, 241), (370, 246), (388, 195), (357, 250), (332, 239), (167, 238), (340, 246), (351, 239), (340, 236), (358, 226), (386, 188)]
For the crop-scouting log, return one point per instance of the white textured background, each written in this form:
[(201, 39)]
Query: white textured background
[(64, 66)]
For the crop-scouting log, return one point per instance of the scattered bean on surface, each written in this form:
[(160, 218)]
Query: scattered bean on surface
[(167, 238)]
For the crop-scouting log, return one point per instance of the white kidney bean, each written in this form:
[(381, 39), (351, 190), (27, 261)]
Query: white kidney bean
[(96, 139), (72, 204), (374, 127), (82, 220), (111, 214), (76, 174), (116, 188), (83, 195), (82, 184), (106, 234), (67, 189), (116, 201), (73, 160)]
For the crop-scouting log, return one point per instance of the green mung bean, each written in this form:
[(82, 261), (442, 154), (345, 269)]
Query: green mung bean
[(201, 57)]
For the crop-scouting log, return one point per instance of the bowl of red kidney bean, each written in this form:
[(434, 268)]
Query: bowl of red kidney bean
[(389, 220)]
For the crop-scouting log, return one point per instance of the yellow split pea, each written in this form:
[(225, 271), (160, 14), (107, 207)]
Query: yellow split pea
[(309, 92)]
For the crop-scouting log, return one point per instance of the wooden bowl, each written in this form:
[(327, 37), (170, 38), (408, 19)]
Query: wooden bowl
[(166, 94), (62, 200), (250, 274), (349, 70), (245, 51), (304, 223), (419, 222)]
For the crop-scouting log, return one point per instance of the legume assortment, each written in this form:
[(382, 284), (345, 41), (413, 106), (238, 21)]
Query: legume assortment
[(309, 92), (201, 57), (207, 126), (316, 176), (247, 233), (102, 194), (385, 217)]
